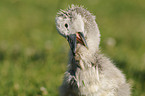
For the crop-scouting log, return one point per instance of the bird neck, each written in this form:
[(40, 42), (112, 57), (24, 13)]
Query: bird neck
[(83, 65), (83, 60)]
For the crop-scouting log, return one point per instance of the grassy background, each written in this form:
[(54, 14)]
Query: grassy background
[(33, 56)]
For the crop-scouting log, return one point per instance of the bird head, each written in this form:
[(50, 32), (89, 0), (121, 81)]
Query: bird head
[(75, 25)]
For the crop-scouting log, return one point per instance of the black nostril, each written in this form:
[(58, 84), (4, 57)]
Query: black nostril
[(67, 37)]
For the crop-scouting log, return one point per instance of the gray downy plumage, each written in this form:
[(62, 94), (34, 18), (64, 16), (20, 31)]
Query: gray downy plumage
[(89, 72)]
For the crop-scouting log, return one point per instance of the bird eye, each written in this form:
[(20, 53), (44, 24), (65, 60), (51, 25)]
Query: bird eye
[(66, 25)]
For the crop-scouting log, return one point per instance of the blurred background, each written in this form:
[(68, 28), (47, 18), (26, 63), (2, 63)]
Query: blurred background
[(33, 56)]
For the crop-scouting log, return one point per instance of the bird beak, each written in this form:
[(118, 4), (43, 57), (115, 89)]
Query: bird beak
[(73, 39)]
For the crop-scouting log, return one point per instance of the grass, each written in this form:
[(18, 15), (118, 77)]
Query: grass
[(33, 56)]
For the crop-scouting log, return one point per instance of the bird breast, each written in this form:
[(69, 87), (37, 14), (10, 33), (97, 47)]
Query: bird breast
[(89, 84)]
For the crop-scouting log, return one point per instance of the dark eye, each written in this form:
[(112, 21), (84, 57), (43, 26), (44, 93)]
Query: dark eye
[(66, 25)]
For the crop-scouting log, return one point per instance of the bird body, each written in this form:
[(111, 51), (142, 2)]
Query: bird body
[(89, 72)]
